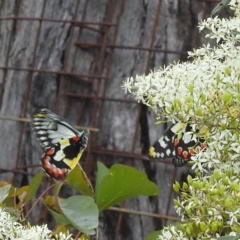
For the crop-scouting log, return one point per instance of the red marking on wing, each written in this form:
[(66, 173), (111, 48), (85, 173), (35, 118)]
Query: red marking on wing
[(52, 170), (203, 145), (46, 163), (198, 149), (76, 138), (191, 152), (179, 150), (64, 172), (50, 151), (185, 154), (176, 142), (58, 173)]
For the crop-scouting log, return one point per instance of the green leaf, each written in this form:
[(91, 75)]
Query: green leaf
[(82, 213), (57, 188), (76, 180), (101, 173), (220, 6), (60, 219), (4, 191), (60, 229), (50, 202), (18, 191), (84, 237), (123, 182), (153, 235), (14, 212), (160, 122), (228, 238), (34, 185), (8, 201)]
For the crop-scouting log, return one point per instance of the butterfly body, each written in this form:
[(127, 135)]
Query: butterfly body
[(63, 144), (180, 142)]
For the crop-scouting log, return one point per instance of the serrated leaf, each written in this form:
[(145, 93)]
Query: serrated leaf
[(82, 213), (123, 182), (101, 173), (34, 185), (76, 180), (4, 191)]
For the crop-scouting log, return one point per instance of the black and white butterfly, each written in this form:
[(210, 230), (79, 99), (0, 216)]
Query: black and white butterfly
[(180, 142), (63, 144)]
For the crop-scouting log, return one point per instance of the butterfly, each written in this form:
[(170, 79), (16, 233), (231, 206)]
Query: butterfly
[(180, 142), (63, 144)]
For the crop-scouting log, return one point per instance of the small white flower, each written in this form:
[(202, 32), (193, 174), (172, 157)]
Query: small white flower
[(127, 85), (204, 92), (9, 229)]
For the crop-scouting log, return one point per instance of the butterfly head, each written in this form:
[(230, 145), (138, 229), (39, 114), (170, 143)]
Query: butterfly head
[(84, 137)]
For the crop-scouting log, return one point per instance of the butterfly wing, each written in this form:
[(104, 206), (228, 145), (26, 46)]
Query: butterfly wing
[(49, 128), (187, 144), (63, 144), (179, 142), (61, 158), (163, 147)]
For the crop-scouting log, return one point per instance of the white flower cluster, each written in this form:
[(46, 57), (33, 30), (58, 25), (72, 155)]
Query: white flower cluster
[(209, 195), (206, 89), (12, 230), (206, 93), (171, 233), (222, 29), (175, 234), (223, 152)]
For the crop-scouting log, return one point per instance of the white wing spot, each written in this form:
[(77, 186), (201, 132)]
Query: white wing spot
[(162, 143), (43, 138), (41, 132), (59, 156), (168, 152), (187, 137), (45, 143), (162, 155), (37, 119), (167, 139)]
